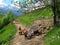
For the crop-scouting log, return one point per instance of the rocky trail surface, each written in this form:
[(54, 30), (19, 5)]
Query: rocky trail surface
[(21, 39)]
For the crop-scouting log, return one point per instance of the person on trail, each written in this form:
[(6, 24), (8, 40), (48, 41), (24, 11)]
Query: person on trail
[(20, 31)]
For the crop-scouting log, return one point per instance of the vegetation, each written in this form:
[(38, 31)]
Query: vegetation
[(7, 33), (7, 29), (6, 19), (53, 36), (29, 17), (56, 9)]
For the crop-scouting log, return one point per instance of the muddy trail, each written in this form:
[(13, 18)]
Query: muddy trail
[(21, 39)]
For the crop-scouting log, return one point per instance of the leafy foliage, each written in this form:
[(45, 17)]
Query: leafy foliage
[(7, 30), (58, 8), (6, 19), (53, 36)]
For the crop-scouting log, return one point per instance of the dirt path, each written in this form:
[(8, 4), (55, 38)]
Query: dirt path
[(21, 40)]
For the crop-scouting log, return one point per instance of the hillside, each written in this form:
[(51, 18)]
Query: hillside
[(6, 34), (53, 36), (29, 22), (7, 29), (30, 17)]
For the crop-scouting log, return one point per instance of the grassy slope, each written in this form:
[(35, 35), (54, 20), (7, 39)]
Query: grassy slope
[(28, 18), (1, 17), (53, 36), (6, 34)]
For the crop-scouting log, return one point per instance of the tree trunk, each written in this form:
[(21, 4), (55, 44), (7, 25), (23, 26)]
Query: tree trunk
[(54, 11)]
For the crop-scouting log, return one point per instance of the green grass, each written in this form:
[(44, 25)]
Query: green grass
[(28, 18), (6, 34), (1, 17), (53, 36)]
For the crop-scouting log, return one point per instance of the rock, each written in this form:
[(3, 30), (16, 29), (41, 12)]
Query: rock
[(39, 27)]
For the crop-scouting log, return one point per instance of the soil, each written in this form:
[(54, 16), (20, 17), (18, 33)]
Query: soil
[(21, 39)]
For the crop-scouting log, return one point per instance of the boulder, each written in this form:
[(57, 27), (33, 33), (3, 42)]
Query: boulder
[(40, 27)]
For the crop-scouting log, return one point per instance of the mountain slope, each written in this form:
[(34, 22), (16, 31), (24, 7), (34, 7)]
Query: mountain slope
[(6, 8), (30, 17), (6, 34)]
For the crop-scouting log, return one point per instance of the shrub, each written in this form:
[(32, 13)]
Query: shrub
[(6, 19)]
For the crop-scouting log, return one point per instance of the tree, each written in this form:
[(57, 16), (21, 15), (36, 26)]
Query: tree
[(17, 3), (10, 16), (54, 10), (58, 8), (24, 4), (53, 4)]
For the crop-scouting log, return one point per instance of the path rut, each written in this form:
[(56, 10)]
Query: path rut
[(21, 40)]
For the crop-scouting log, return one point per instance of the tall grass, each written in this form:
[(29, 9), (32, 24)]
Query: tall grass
[(7, 29), (53, 36), (7, 33)]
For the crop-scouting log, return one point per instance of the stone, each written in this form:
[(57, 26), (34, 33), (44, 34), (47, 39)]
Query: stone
[(40, 26)]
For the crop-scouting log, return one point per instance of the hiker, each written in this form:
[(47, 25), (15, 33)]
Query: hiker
[(20, 31)]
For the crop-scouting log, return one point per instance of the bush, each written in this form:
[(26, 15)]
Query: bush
[(7, 30), (6, 19)]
